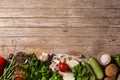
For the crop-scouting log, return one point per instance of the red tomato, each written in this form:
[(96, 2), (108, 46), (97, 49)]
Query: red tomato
[(63, 67), (18, 78), (1, 70), (2, 62)]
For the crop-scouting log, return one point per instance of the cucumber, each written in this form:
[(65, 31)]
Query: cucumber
[(96, 68), (92, 75)]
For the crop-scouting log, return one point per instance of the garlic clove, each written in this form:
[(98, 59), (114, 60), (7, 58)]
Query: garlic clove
[(44, 56)]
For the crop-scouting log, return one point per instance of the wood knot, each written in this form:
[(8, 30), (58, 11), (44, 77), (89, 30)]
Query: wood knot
[(65, 30)]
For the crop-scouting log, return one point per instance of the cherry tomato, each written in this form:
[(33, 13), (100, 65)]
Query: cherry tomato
[(18, 78), (2, 62), (63, 67)]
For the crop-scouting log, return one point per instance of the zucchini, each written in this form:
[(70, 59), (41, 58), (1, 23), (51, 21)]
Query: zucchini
[(96, 68)]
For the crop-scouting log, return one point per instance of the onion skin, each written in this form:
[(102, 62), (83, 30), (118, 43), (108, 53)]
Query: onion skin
[(108, 78), (111, 70), (118, 78)]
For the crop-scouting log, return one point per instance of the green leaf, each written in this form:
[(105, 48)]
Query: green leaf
[(80, 72)]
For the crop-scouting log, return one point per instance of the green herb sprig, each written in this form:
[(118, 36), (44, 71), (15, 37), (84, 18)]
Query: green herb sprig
[(36, 69)]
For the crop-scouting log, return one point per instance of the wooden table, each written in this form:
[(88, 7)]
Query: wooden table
[(60, 26)]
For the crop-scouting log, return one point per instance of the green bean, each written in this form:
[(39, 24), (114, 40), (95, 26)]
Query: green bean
[(8, 73)]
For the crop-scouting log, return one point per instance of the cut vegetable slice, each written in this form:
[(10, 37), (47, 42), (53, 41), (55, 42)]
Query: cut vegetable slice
[(72, 63), (67, 75)]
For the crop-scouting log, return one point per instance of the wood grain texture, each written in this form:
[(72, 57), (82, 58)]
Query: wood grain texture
[(80, 41), (60, 12), (74, 50), (55, 22), (60, 26), (60, 32), (60, 4)]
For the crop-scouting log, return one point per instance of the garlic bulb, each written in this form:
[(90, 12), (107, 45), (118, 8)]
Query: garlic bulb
[(44, 56)]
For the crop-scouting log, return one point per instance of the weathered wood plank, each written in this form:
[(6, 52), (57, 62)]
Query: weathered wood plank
[(60, 4), (60, 26), (74, 50), (57, 21), (52, 32), (60, 12), (66, 26), (78, 41)]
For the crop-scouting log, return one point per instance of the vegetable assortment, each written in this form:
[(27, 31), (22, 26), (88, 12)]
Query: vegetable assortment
[(8, 73), (36, 69), (24, 66)]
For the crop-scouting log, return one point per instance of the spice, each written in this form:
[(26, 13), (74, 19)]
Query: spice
[(104, 59)]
